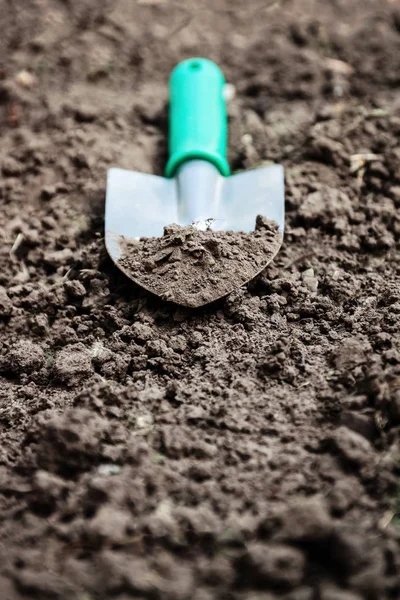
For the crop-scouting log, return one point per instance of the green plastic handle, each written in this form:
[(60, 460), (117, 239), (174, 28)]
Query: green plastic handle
[(197, 120)]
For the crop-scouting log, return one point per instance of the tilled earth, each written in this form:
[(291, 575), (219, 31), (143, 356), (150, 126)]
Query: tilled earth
[(246, 450)]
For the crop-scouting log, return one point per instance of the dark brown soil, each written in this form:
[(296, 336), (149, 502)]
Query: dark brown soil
[(247, 450), (192, 267)]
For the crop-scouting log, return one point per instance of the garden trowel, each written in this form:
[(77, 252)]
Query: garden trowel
[(197, 188)]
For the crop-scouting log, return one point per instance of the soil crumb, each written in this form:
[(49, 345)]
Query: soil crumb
[(192, 267)]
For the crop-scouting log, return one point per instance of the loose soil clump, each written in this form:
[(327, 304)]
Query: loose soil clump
[(193, 267), (244, 450)]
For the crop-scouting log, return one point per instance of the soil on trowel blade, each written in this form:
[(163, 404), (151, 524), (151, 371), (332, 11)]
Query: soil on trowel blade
[(245, 450), (192, 267)]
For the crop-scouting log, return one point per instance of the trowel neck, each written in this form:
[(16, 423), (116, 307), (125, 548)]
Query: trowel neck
[(198, 191)]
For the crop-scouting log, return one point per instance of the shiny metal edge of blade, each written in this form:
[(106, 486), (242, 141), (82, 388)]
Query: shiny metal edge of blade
[(138, 204)]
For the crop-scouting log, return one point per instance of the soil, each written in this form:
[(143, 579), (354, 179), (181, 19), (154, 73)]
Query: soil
[(248, 449), (192, 267)]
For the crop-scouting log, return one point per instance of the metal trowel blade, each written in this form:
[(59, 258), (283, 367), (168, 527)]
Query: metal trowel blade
[(140, 205)]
